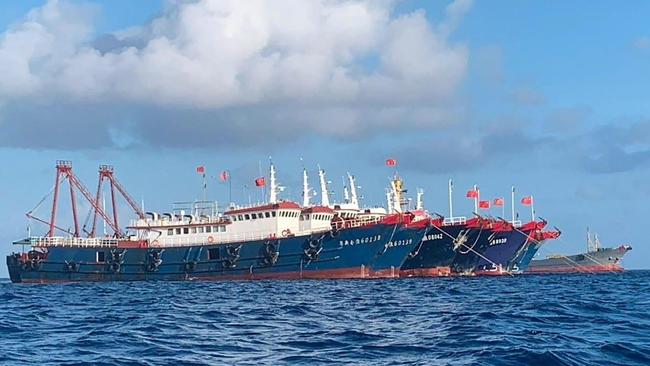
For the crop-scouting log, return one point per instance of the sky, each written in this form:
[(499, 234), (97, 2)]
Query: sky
[(551, 97)]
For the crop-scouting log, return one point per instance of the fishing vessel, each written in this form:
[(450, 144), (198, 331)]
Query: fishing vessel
[(595, 260), (275, 240), (512, 247), (533, 244)]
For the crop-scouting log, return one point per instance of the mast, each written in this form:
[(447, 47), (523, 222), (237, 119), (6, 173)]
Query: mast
[(273, 195), (306, 191), (419, 204), (389, 200), (324, 194), (476, 198), (532, 208), (451, 205), (396, 185), (354, 198), (512, 203)]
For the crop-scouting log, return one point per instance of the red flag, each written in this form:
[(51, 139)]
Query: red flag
[(527, 201), (484, 205), (498, 202), (391, 162), (260, 182), (224, 176), (200, 169), (472, 193)]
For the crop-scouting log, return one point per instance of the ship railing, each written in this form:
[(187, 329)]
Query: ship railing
[(192, 240), (146, 223), (516, 223), (59, 241), (355, 222), (458, 220)]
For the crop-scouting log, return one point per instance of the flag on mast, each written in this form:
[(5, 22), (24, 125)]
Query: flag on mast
[(472, 193), (224, 176), (200, 169), (485, 205), (260, 182), (527, 201), (391, 162), (498, 202)]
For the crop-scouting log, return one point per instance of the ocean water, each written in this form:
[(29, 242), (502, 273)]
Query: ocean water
[(536, 320)]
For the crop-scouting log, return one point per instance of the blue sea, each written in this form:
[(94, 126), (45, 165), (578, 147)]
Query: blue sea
[(535, 320)]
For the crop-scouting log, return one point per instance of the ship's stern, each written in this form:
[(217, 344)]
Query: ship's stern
[(13, 265)]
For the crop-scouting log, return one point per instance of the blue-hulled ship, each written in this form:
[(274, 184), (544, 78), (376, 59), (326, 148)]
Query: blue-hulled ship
[(533, 244), (435, 256), (512, 247), (275, 240)]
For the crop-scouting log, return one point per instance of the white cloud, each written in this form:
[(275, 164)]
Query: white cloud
[(343, 56)]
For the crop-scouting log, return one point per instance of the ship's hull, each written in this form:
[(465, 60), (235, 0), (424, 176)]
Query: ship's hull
[(435, 255), (351, 253), (389, 261), (469, 254), (603, 260), (499, 257), (529, 251)]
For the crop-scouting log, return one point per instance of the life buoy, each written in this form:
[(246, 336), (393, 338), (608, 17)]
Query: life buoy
[(286, 232), (210, 239)]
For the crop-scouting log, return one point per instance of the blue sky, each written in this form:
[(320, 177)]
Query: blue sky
[(548, 96)]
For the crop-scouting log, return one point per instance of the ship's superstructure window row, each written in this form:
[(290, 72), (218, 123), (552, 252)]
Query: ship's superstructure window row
[(197, 230)]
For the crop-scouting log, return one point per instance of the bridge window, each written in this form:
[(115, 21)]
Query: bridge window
[(240, 217), (170, 231), (222, 229), (273, 213), (199, 230), (178, 231), (186, 230), (193, 230), (247, 217), (253, 216), (208, 229), (267, 215), (101, 257)]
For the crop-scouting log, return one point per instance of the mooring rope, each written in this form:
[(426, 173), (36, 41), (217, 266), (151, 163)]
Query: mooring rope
[(472, 248)]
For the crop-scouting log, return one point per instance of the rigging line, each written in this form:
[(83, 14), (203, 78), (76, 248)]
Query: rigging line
[(589, 257), (562, 256), (472, 248), (38, 205), (597, 262)]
